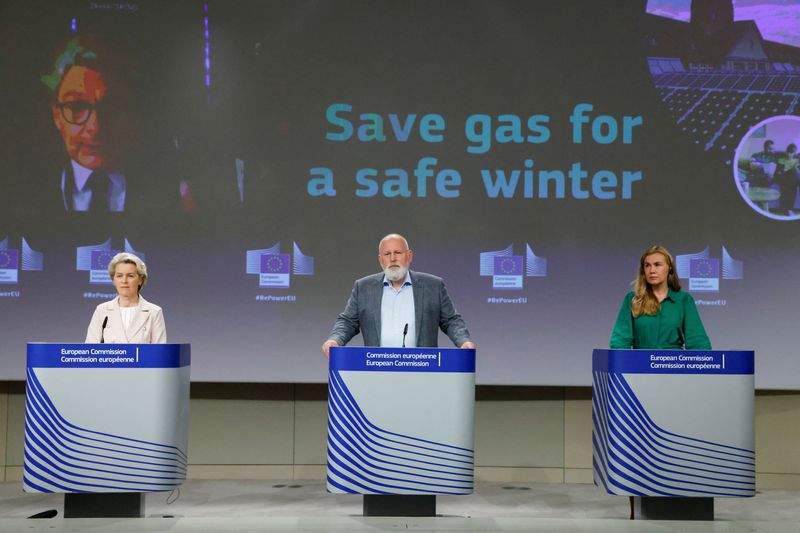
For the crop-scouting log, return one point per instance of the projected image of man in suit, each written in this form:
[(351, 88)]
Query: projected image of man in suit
[(398, 307), (92, 108)]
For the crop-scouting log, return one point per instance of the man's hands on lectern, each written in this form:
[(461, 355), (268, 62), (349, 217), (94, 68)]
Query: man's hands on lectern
[(326, 347)]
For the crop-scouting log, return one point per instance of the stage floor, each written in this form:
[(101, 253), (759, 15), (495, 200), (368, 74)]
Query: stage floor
[(243, 506)]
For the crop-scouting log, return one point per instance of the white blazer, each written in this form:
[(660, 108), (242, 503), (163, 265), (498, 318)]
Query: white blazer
[(147, 326)]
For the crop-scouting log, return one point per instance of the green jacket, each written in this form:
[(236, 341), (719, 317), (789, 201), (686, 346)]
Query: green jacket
[(676, 325)]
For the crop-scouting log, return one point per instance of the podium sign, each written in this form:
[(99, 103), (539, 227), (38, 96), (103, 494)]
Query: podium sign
[(106, 417), (673, 423), (400, 421)]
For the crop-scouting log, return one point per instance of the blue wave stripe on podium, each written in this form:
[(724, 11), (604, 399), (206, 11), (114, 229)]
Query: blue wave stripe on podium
[(351, 439), (35, 386), (62, 457), (395, 440), (628, 459), (36, 391), (633, 455), (356, 435), (723, 452), (363, 458), (45, 439), (600, 429)]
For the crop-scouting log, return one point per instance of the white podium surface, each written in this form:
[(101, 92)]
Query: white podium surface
[(400, 421), (106, 417), (673, 423)]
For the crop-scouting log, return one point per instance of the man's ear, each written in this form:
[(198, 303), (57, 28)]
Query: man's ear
[(57, 120)]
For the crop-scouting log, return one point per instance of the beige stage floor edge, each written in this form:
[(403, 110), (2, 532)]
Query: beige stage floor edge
[(250, 505)]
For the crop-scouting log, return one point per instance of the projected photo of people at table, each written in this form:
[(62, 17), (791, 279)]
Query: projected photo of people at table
[(767, 170)]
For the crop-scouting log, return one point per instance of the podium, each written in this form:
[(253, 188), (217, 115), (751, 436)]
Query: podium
[(105, 423), (400, 426), (673, 428)]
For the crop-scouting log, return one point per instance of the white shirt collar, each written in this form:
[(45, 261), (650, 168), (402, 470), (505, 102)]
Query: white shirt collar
[(80, 174), (406, 281)]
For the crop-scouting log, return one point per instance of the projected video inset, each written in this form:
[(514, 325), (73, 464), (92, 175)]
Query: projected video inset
[(767, 171), (721, 67)]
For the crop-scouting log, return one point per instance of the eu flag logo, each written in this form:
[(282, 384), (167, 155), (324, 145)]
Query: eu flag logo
[(704, 275), (9, 266), (98, 273), (9, 259), (507, 272), (508, 265), (101, 259), (275, 270)]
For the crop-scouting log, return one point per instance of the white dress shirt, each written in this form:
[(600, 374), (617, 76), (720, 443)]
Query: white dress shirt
[(397, 310), (78, 199)]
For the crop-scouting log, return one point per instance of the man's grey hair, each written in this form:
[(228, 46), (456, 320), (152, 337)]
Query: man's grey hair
[(393, 236)]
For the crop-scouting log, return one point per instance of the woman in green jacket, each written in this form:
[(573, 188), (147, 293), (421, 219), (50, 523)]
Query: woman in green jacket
[(657, 314)]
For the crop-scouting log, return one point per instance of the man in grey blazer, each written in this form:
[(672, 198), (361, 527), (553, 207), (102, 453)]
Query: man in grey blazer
[(398, 307)]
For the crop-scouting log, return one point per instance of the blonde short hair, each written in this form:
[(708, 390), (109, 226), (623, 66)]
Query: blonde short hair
[(125, 257)]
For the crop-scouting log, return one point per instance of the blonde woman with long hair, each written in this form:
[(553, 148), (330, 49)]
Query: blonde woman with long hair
[(657, 314)]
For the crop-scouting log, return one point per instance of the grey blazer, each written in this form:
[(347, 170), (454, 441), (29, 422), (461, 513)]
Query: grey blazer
[(432, 307)]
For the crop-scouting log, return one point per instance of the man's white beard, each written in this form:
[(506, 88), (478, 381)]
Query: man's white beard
[(397, 274)]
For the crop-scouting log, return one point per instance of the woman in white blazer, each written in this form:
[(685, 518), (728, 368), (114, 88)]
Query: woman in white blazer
[(128, 318)]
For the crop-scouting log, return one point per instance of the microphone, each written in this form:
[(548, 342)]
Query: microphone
[(405, 332), (103, 330), (682, 339)]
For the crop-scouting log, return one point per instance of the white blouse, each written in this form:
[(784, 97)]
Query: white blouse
[(127, 315)]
